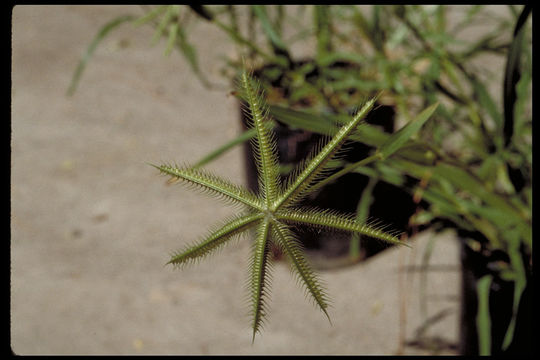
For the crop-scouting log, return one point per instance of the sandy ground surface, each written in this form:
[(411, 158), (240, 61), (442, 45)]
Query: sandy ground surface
[(92, 224)]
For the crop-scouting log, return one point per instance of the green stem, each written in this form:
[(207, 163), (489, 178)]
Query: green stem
[(345, 170), (483, 319), (362, 212), (240, 40)]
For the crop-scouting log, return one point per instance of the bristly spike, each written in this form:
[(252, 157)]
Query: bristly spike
[(308, 176), (213, 184), (259, 278), (300, 265), (265, 149), (329, 220), (215, 239)]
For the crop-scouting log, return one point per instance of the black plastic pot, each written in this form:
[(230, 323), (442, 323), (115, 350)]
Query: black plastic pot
[(344, 194), (475, 265)]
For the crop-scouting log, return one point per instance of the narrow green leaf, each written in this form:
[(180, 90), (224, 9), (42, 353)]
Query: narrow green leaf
[(327, 59), (362, 25), (171, 40), (165, 21), (325, 124), (467, 182), (399, 138), (512, 74), (239, 39), (190, 54), (461, 180), (377, 29), (150, 15), (347, 169), (362, 214), (322, 30), (487, 103), (319, 123), (426, 256), (268, 28), (483, 319), (102, 33), (520, 282), (243, 137)]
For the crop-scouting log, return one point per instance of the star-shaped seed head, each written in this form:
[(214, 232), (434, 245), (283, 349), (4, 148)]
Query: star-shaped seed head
[(273, 211)]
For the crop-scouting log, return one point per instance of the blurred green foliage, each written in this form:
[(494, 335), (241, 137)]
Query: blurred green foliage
[(472, 159)]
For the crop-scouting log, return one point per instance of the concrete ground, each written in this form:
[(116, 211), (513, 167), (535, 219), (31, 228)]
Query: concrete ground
[(92, 224)]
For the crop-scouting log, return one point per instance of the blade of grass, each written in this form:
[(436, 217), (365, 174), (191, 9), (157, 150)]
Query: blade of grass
[(398, 139), (245, 136), (102, 33), (173, 31), (275, 40), (170, 12), (483, 320), (390, 146), (467, 182), (512, 75), (362, 214), (151, 15), (325, 124), (520, 283), (487, 103), (190, 54), (322, 31)]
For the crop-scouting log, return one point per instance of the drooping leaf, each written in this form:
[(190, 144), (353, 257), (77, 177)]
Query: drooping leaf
[(512, 74), (150, 15), (100, 36), (468, 182), (166, 20), (487, 103), (399, 138), (277, 43), (171, 40), (520, 281)]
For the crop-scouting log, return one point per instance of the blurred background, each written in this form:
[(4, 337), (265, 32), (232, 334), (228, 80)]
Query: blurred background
[(98, 92)]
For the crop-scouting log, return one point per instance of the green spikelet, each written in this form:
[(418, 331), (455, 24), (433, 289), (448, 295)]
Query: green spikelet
[(265, 144), (292, 248), (300, 186), (332, 220), (212, 184), (215, 239), (259, 276)]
